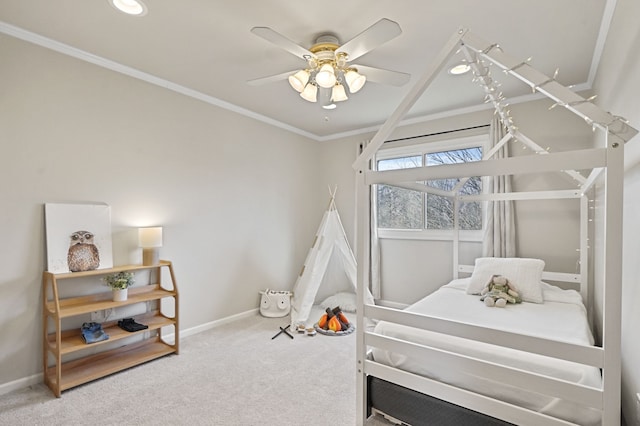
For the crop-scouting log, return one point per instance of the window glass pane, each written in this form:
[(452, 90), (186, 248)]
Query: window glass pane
[(399, 208), (400, 163), (473, 186), (465, 155), (470, 216), (440, 209), (439, 212)]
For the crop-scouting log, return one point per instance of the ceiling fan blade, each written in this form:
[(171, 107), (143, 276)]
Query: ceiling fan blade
[(282, 42), (377, 34), (271, 78), (379, 75)]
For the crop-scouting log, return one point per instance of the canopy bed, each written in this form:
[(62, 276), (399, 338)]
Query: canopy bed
[(433, 364)]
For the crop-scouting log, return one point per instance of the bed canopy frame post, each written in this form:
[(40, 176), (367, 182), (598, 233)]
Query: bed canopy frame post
[(456, 236), (612, 279), (363, 248), (583, 265)]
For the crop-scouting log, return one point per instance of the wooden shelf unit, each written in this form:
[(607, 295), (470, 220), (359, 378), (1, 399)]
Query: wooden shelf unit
[(148, 345)]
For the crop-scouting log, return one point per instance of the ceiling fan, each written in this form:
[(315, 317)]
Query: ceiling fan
[(329, 63)]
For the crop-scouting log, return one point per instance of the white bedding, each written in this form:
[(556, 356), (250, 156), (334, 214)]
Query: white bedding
[(561, 317)]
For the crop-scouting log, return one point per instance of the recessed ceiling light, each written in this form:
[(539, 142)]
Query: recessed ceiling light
[(130, 7), (459, 69)]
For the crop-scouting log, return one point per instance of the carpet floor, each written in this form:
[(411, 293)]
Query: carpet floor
[(235, 374)]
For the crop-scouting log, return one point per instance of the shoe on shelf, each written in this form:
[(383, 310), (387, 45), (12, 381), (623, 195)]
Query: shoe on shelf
[(129, 324)]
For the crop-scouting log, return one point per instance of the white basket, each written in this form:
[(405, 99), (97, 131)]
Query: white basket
[(275, 303)]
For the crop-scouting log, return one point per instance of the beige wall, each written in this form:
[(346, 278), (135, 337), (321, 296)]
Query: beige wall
[(618, 86), (239, 200)]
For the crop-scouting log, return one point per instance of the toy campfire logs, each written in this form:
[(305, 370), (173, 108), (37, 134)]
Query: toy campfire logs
[(334, 320)]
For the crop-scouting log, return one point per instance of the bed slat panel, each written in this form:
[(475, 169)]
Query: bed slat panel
[(546, 385), (588, 355)]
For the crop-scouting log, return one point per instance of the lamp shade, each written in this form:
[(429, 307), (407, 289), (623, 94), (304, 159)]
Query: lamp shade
[(310, 93), (355, 81), (326, 76), (150, 237), (299, 80), (338, 93)]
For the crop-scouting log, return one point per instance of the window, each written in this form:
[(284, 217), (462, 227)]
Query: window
[(429, 215)]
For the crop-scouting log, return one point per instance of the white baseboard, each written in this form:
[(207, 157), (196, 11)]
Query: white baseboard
[(39, 378), (217, 323), (21, 383)]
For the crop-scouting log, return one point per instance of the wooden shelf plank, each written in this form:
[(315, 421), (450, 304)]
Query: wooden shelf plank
[(72, 339), (93, 367), (115, 269), (73, 306)]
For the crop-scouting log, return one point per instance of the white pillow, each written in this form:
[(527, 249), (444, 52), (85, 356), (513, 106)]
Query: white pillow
[(525, 274), (346, 301)]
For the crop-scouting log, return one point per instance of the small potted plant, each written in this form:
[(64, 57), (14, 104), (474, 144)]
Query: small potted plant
[(119, 283)]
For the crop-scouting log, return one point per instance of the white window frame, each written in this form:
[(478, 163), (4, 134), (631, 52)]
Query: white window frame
[(422, 149)]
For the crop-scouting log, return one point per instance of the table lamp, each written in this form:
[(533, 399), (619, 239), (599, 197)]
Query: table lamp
[(150, 239)]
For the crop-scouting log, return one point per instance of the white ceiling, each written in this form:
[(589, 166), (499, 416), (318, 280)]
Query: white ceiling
[(204, 48)]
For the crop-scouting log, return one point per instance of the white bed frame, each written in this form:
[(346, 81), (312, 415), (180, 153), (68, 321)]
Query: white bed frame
[(606, 165)]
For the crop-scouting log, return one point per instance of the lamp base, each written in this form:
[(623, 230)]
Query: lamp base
[(150, 256)]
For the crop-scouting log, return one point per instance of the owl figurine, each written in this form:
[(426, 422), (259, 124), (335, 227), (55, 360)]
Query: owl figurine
[(83, 255)]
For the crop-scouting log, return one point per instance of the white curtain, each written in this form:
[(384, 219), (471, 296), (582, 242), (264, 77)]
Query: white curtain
[(500, 232), (375, 246)]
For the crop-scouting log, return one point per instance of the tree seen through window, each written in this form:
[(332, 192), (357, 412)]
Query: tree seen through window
[(400, 208)]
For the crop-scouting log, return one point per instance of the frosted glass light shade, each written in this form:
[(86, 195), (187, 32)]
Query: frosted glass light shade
[(326, 76), (338, 93), (299, 80), (354, 80), (310, 93), (150, 237)]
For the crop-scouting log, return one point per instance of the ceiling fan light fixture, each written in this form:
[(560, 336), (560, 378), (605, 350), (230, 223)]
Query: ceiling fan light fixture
[(354, 80), (326, 76), (299, 80), (130, 7), (338, 94), (341, 59), (310, 93)]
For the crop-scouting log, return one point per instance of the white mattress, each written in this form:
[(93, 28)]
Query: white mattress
[(561, 317)]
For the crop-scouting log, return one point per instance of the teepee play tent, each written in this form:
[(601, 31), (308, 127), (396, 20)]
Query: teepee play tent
[(329, 269)]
